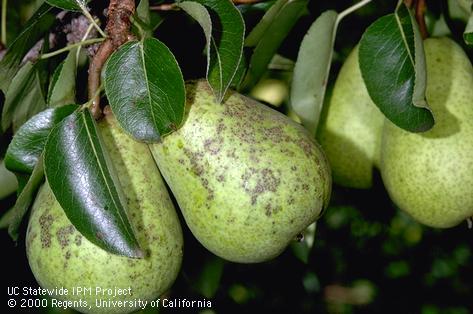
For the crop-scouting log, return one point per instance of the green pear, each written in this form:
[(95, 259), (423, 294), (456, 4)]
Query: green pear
[(430, 175), (270, 90), (60, 256), (247, 178), (350, 132)]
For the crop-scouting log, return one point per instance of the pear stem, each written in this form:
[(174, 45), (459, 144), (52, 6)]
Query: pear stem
[(352, 9), (420, 12), (118, 30), (4, 22)]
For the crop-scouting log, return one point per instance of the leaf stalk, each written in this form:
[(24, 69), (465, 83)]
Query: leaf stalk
[(70, 47), (352, 9)]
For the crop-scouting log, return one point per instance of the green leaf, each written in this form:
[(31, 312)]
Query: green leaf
[(199, 13), (142, 17), (226, 44), (24, 97), (268, 38), (256, 8), (8, 182), (28, 143), (312, 69), (7, 218), (392, 64), (459, 9), (142, 11), (209, 279), (36, 27), (257, 33), (83, 180), (24, 200), (62, 88), (71, 5), (145, 89), (468, 33)]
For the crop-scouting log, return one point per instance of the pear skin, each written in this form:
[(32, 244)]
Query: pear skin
[(350, 132), (59, 256), (247, 178), (430, 175)]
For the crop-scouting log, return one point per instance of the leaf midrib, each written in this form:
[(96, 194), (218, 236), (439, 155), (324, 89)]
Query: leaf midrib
[(404, 38), (150, 100), (102, 172)]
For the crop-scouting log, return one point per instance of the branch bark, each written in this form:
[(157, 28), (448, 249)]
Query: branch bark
[(118, 31)]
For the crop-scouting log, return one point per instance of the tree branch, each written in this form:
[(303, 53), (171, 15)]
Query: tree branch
[(118, 30)]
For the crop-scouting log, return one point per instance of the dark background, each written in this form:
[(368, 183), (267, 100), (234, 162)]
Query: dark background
[(368, 257)]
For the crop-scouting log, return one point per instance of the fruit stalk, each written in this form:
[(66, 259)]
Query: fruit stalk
[(420, 12), (118, 30)]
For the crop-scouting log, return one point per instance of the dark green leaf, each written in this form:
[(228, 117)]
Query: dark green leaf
[(312, 69), (36, 27), (22, 181), (83, 180), (6, 218), (143, 18), (468, 33), (240, 74), (155, 20), (25, 199), (28, 143), (62, 88), (145, 89), (256, 7), (269, 37), (8, 182), (392, 64), (142, 11), (71, 5), (459, 9), (257, 33), (209, 279), (226, 45), (24, 97)]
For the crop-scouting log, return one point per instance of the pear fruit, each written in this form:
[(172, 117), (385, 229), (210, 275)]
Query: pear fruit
[(350, 131), (430, 175), (247, 178), (60, 256), (270, 90)]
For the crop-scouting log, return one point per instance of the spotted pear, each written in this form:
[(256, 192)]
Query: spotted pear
[(350, 131), (60, 256), (247, 178), (430, 175)]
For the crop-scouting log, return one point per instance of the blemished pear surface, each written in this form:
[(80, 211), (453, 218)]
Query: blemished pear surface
[(430, 175), (247, 178), (60, 256), (350, 133)]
